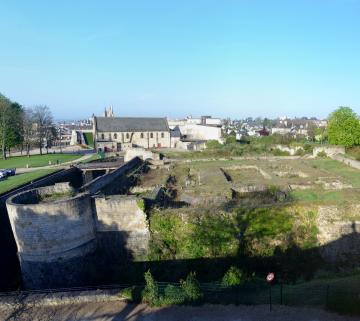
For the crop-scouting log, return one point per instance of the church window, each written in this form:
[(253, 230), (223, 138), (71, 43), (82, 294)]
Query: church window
[(142, 135), (115, 136), (151, 135)]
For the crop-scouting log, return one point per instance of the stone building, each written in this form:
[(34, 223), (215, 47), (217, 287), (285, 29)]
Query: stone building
[(120, 133)]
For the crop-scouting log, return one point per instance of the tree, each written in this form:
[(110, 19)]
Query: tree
[(344, 127), (43, 121), (10, 124)]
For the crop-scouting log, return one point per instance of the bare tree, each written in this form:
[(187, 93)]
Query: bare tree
[(28, 129), (50, 136), (43, 120)]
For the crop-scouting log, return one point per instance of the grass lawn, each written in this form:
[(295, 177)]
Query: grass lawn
[(20, 179), (92, 158), (89, 139), (37, 160), (350, 174)]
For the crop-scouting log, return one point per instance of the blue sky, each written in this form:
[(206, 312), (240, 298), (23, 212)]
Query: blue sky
[(176, 58)]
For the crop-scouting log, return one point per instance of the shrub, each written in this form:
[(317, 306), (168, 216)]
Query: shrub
[(150, 293), (308, 148), (234, 276), (300, 152), (191, 288), (132, 293), (230, 140), (278, 152), (213, 144), (321, 154), (173, 295), (140, 204)]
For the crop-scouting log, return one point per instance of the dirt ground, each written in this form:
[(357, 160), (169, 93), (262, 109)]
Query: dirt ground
[(116, 311)]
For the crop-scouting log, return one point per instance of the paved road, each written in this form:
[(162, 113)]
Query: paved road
[(116, 311)]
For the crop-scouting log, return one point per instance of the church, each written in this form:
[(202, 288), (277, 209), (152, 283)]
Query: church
[(112, 134)]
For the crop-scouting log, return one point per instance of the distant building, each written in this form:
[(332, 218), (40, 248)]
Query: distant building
[(198, 129), (120, 133)]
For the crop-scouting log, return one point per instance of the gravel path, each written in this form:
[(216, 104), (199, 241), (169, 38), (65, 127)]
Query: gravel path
[(116, 311)]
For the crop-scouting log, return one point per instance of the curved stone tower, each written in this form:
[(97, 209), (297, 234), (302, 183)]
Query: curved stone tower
[(55, 236)]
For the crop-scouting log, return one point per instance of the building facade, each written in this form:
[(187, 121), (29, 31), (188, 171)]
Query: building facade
[(113, 134)]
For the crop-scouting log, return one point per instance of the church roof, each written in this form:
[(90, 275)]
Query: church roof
[(130, 124)]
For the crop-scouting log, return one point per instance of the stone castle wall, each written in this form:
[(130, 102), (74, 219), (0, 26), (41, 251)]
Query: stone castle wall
[(120, 217), (51, 232)]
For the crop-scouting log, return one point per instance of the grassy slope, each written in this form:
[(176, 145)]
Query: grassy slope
[(37, 160), (89, 139), (20, 179)]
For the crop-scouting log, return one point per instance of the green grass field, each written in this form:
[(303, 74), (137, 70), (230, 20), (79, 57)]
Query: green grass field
[(20, 179), (89, 139), (36, 160)]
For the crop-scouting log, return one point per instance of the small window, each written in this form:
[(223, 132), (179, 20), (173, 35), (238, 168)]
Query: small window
[(127, 135), (162, 135), (102, 136), (115, 136), (142, 135), (151, 135)]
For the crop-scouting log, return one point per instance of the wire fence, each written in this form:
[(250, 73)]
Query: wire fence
[(332, 297)]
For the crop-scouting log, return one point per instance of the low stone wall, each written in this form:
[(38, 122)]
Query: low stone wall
[(141, 153), (291, 150), (60, 298)]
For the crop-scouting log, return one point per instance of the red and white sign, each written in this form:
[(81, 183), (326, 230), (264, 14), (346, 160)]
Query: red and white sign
[(270, 277)]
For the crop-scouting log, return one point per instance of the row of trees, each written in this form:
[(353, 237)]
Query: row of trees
[(24, 128)]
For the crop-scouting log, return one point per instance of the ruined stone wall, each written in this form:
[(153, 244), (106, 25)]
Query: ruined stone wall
[(122, 226), (291, 150), (329, 150), (110, 178), (339, 233), (53, 238)]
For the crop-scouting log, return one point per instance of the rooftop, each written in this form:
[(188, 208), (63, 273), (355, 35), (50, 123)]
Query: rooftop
[(130, 124)]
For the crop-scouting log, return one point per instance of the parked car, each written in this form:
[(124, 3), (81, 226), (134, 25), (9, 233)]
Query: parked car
[(10, 171), (3, 174), (7, 172)]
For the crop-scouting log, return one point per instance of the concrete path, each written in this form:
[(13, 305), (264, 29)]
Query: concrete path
[(118, 310), (348, 161), (62, 165)]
